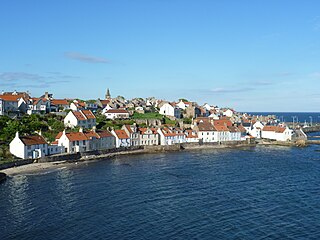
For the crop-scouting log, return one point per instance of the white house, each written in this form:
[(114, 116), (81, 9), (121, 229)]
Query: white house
[(228, 113), (38, 105), (183, 105), (100, 139), (256, 129), (277, 133), (206, 132), (191, 136), (77, 105), (33, 146), (59, 105), (105, 109), (148, 136), (82, 118), (122, 139), (82, 141), (171, 136), (223, 133), (234, 134), (168, 110), (133, 133), (117, 114), (12, 103), (207, 107)]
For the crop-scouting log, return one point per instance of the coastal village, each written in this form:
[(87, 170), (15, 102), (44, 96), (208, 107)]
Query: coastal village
[(119, 123)]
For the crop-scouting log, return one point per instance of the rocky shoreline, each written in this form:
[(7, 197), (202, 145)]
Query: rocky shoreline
[(62, 162), (41, 166)]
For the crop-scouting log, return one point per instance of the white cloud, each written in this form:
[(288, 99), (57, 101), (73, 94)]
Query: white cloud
[(85, 58)]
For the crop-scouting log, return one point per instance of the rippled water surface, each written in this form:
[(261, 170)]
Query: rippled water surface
[(258, 193)]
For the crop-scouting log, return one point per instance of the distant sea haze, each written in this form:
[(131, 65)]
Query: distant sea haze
[(298, 116)]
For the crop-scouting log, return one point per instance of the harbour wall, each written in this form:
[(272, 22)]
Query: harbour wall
[(109, 153)]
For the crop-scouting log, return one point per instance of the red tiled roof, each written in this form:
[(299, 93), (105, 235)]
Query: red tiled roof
[(121, 134), (78, 115), (105, 102), (117, 111), (59, 135), (128, 128), (59, 102), (10, 98), (91, 134), (76, 136), (274, 129), (205, 126), (88, 114), (241, 128), (221, 128), (225, 122), (33, 140), (233, 129), (104, 133), (190, 134)]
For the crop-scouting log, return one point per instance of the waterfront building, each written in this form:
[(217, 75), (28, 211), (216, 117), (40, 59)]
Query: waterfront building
[(234, 133), (32, 146), (191, 136), (277, 133), (223, 133), (148, 136), (256, 129), (122, 138), (82, 141), (82, 118), (73, 142), (132, 132), (170, 136), (206, 132)]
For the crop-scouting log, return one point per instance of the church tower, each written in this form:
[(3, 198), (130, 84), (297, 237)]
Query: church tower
[(108, 95)]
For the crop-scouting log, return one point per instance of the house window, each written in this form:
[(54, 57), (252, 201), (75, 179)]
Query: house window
[(29, 147), (84, 142)]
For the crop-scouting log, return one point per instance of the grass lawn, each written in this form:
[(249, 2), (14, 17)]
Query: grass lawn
[(147, 116)]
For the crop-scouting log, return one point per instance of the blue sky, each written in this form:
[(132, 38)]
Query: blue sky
[(249, 55)]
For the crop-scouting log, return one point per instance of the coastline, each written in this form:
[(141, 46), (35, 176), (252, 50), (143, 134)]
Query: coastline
[(40, 167)]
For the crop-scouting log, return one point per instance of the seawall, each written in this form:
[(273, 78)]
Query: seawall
[(315, 128), (110, 153)]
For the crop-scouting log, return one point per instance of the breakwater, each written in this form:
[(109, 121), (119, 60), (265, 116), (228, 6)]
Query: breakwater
[(315, 128)]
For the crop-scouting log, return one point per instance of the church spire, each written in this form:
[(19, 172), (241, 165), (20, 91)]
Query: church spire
[(108, 95)]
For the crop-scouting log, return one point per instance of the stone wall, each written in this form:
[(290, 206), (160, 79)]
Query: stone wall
[(60, 157), (159, 148), (16, 163)]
